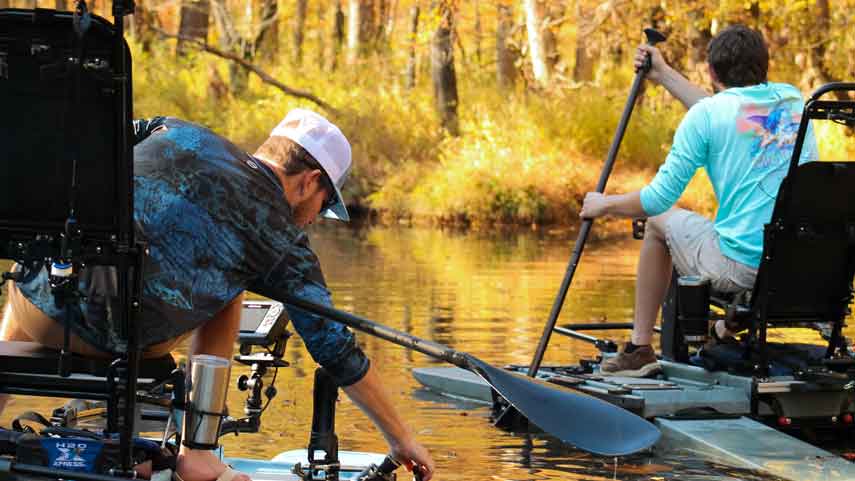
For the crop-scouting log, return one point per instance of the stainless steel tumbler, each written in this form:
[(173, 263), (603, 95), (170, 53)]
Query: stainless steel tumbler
[(209, 381)]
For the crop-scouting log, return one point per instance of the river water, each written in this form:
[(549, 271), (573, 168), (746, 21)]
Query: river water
[(488, 294)]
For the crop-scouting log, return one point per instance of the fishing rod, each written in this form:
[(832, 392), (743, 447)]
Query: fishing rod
[(584, 421), (653, 37)]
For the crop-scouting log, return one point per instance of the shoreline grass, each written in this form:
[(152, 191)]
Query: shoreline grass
[(523, 158)]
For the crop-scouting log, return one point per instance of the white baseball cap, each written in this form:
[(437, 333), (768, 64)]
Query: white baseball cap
[(325, 142)]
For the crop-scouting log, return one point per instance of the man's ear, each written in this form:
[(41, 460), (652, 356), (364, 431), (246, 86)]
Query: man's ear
[(307, 180), (314, 176)]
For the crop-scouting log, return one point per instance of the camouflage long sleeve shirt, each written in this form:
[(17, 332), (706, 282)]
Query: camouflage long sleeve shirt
[(216, 223)]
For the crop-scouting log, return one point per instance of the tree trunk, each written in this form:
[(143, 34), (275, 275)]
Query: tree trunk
[(194, 23), (238, 76), (817, 72), (336, 37), (232, 41), (382, 18), (442, 68), (354, 39), (319, 33), (267, 40), (391, 17), (851, 64), (538, 40), (411, 60), (477, 34), (142, 20), (360, 29), (698, 38), (583, 70), (506, 58), (299, 27)]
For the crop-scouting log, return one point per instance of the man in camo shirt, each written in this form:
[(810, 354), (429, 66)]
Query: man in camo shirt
[(217, 222)]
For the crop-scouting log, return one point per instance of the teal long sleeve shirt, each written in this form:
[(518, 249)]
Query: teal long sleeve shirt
[(743, 137)]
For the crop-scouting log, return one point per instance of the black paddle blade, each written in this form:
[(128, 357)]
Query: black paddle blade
[(584, 421)]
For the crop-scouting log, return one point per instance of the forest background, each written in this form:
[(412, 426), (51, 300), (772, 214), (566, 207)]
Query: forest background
[(471, 112)]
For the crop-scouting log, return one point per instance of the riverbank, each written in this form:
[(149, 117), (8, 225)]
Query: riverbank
[(524, 157)]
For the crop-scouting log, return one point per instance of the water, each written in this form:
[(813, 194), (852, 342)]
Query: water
[(486, 294)]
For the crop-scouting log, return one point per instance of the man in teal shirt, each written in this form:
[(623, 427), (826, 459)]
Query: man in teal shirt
[(743, 137)]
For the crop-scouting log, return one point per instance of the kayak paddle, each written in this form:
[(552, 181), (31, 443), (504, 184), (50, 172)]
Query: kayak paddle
[(653, 37), (584, 421)]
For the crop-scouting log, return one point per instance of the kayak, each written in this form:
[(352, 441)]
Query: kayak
[(707, 414)]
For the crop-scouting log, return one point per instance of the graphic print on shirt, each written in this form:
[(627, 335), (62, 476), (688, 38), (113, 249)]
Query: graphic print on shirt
[(774, 130)]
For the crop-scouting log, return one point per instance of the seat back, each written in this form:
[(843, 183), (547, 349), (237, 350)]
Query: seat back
[(807, 265), (48, 137)]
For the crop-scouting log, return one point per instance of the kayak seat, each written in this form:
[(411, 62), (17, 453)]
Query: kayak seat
[(29, 368), (34, 359), (805, 277)]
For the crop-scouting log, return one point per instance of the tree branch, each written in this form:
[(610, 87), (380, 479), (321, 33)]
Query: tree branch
[(264, 76)]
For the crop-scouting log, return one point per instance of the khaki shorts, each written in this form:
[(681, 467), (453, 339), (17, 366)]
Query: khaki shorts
[(695, 251)]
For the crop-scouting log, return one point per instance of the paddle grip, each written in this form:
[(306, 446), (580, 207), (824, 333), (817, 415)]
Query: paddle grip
[(653, 37)]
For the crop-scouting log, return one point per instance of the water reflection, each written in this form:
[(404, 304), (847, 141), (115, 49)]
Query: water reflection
[(488, 294)]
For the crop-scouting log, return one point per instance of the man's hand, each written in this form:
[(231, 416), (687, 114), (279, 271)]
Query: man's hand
[(595, 205), (368, 393), (415, 457), (658, 67)]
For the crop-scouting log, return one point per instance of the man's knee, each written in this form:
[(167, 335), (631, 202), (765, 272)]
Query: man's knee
[(657, 226)]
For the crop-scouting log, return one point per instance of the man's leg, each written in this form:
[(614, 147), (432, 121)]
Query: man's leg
[(652, 278), (10, 331), (217, 338), (638, 359)]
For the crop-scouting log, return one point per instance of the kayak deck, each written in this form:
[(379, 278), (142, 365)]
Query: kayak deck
[(280, 467), (686, 387), (727, 437)]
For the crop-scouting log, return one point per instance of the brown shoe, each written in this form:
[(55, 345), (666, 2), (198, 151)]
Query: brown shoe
[(639, 363)]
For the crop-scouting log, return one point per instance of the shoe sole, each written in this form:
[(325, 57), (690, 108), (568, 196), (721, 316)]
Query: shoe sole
[(644, 371)]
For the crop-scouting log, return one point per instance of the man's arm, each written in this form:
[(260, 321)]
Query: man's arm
[(662, 73), (368, 393), (333, 346), (622, 205)]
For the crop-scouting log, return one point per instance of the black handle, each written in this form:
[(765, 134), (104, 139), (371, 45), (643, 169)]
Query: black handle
[(388, 465), (381, 472), (653, 37)]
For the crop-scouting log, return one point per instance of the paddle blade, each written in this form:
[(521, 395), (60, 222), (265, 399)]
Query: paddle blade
[(584, 421)]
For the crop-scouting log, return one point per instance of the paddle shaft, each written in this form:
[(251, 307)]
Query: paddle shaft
[(653, 37), (395, 336)]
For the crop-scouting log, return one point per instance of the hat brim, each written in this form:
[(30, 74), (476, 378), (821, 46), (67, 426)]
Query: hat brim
[(338, 211)]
